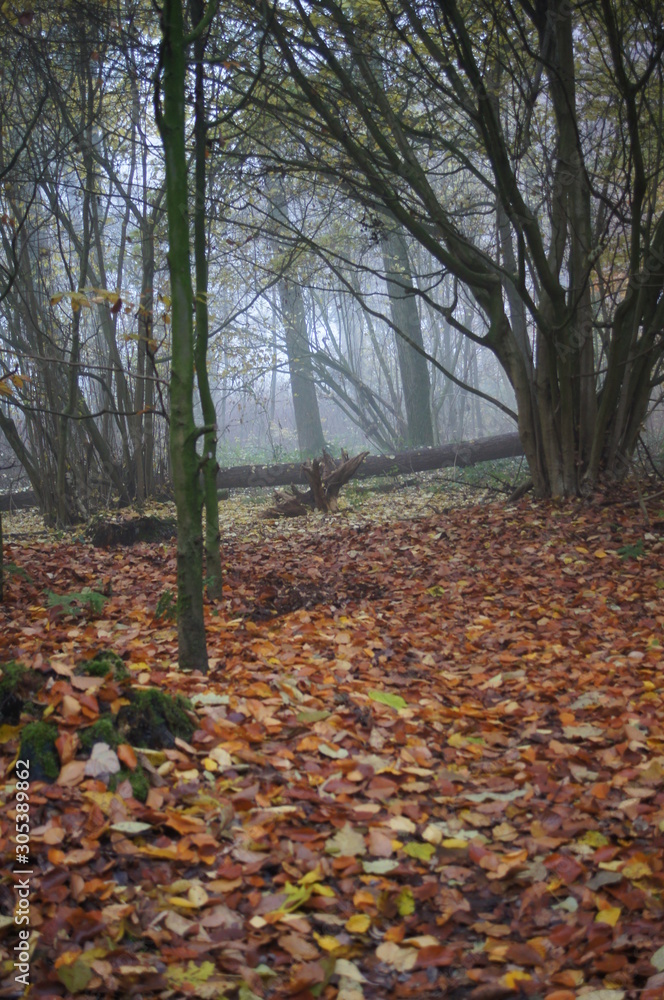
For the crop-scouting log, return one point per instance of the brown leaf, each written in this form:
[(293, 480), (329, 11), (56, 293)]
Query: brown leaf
[(298, 947)]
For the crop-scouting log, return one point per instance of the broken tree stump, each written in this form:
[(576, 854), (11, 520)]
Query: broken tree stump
[(325, 476)]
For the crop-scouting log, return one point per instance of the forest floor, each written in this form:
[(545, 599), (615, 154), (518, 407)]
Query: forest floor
[(429, 760)]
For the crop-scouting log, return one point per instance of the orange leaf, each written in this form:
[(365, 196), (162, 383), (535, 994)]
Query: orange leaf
[(127, 756), (184, 824)]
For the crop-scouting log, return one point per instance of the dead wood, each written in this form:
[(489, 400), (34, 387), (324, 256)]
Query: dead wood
[(463, 453), (325, 476)]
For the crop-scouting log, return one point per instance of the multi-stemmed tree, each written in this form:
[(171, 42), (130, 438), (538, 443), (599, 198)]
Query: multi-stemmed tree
[(520, 146)]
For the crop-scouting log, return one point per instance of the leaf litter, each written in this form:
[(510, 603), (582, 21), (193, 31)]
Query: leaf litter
[(429, 760)]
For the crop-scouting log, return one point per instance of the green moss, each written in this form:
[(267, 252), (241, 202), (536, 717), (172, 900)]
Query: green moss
[(154, 719), (10, 701), (38, 746), (138, 779), (101, 731), (17, 685), (103, 664)]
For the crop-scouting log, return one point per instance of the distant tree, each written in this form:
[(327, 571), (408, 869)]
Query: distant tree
[(308, 424), (406, 320)]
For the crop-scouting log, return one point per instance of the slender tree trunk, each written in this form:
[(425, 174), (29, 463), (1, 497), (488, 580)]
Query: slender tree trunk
[(185, 463), (310, 437), (144, 474), (213, 572), (406, 319), (64, 508)]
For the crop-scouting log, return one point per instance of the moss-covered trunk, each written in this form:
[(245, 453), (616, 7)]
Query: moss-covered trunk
[(185, 462)]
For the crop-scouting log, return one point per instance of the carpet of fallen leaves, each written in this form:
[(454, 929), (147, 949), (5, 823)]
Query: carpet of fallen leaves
[(429, 762)]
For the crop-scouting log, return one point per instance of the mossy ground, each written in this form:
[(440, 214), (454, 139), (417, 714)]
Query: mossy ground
[(38, 747), (103, 730), (105, 663), (18, 685), (154, 719), (138, 779)]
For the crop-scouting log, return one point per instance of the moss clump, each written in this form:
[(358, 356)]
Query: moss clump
[(38, 746), (17, 685), (101, 731), (10, 701), (138, 779), (154, 719), (103, 664)]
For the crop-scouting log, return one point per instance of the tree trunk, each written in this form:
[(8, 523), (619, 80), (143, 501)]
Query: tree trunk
[(185, 463), (310, 436), (406, 319), (213, 572), (147, 346)]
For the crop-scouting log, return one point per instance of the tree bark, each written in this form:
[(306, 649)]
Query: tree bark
[(185, 463), (213, 572)]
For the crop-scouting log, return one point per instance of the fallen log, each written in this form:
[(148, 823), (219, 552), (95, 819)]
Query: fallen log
[(462, 454), (18, 501), (420, 460)]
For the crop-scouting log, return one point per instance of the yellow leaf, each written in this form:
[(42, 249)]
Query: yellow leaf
[(186, 904), (358, 923), (323, 890), (103, 799), (9, 732), (221, 757), (422, 941), (57, 298), (191, 974), (406, 902), (328, 942), (510, 979), (313, 876), (611, 916), (78, 300), (197, 895), (600, 554), (637, 869), (593, 838)]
